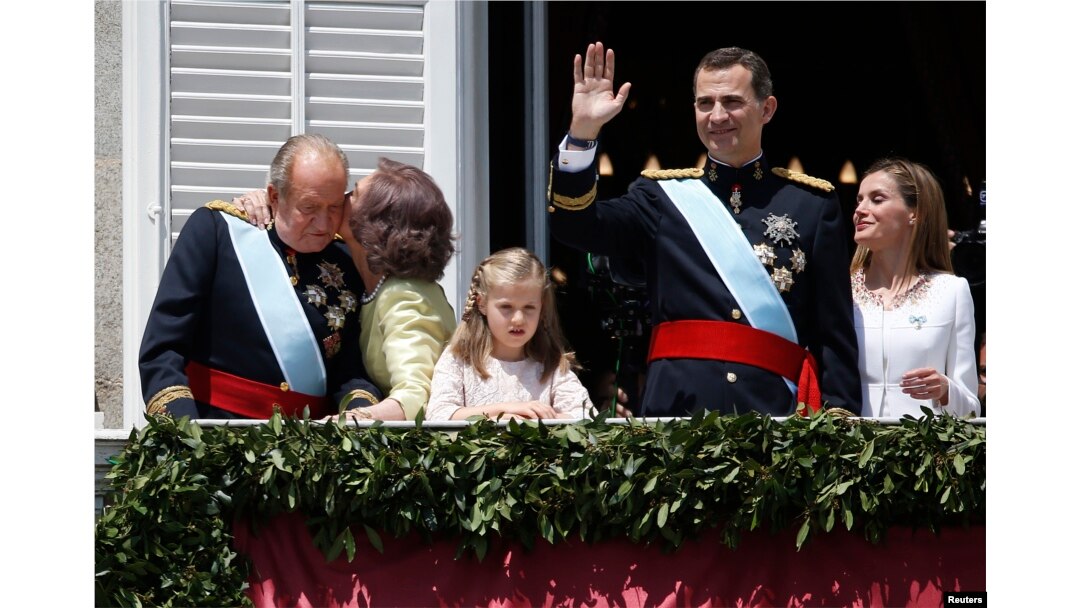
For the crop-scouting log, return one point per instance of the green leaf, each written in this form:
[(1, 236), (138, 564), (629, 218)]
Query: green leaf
[(350, 545), (649, 485), (337, 546), (275, 457), (958, 464), (804, 531), (662, 515), (867, 453)]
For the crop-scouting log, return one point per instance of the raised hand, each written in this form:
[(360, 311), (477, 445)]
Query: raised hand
[(595, 103)]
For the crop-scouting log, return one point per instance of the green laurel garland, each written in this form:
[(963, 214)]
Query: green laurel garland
[(164, 537)]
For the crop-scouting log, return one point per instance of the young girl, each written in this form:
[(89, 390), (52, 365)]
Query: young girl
[(508, 357)]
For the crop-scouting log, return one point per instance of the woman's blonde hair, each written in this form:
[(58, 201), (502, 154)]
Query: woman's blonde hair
[(929, 242), (472, 338)]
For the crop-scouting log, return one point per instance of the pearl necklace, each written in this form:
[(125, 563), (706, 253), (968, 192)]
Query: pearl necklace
[(368, 297)]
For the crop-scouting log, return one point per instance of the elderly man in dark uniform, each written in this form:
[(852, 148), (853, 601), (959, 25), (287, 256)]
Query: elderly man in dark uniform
[(247, 321), (746, 264)]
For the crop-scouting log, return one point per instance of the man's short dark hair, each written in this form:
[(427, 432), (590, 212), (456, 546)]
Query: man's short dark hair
[(404, 223), (722, 59)]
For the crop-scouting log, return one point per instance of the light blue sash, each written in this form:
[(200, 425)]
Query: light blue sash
[(282, 316), (732, 256)]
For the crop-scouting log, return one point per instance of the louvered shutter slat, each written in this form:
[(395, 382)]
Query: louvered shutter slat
[(232, 88)]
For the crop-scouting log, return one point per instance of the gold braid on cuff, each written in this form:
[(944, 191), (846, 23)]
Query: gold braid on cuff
[(570, 203), (574, 203), (165, 396), (366, 396)]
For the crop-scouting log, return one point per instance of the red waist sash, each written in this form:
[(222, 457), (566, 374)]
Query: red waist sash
[(249, 398), (724, 341)]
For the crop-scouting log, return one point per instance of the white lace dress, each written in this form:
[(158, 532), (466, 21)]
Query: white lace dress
[(932, 324), (455, 385)]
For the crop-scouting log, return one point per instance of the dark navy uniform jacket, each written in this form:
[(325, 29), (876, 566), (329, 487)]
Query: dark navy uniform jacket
[(684, 285), (203, 312)]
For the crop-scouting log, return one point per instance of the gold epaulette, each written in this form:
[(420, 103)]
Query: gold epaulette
[(165, 396), (803, 178), (693, 172), (229, 208)]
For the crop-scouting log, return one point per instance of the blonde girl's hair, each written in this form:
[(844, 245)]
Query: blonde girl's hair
[(472, 338), (929, 241)]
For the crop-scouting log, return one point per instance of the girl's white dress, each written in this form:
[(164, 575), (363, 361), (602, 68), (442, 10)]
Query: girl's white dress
[(931, 325), (456, 385)]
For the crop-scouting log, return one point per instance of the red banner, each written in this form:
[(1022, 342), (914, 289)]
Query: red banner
[(910, 568)]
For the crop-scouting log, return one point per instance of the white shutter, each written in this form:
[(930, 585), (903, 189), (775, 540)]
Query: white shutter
[(237, 90)]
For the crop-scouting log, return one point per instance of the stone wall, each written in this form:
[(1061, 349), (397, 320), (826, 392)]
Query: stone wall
[(108, 218)]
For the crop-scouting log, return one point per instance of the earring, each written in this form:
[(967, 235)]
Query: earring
[(911, 221)]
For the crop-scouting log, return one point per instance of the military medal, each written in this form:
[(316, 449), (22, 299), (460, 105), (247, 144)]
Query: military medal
[(347, 300), (315, 295), (331, 344), (782, 278), (798, 260), (294, 276), (736, 198), (780, 229), (765, 253), (335, 317), (757, 171), (331, 275), (712, 172)]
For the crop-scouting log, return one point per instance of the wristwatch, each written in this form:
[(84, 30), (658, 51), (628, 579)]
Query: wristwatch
[(588, 144)]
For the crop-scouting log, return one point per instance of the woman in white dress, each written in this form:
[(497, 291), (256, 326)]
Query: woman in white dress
[(915, 319)]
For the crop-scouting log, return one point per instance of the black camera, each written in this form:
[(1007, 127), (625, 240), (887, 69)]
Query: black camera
[(617, 287), (976, 236)]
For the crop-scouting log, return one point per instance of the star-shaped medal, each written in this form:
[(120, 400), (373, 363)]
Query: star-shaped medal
[(331, 275), (335, 317), (782, 278), (780, 229), (798, 260), (315, 295), (347, 300), (765, 253)]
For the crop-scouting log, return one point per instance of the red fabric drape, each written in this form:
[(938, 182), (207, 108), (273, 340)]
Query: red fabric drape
[(911, 568)]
